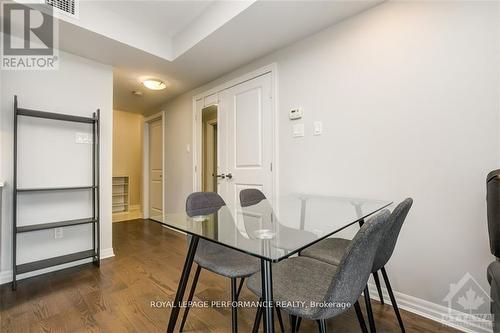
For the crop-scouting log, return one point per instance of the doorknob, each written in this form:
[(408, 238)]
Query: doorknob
[(221, 176), (229, 175)]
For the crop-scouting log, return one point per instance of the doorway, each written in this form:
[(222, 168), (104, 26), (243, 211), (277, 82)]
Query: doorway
[(247, 136), (127, 195), (246, 151), (153, 166), (209, 146)]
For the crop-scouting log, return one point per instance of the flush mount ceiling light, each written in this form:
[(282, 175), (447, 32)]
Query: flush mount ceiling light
[(154, 84)]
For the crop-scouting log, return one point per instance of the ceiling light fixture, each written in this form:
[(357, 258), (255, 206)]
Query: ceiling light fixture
[(154, 84)]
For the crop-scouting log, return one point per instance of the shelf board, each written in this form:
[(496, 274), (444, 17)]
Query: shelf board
[(52, 225), (43, 189), (44, 263), (119, 194), (54, 116)]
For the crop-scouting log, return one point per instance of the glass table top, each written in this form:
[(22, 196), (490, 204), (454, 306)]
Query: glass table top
[(301, 221)]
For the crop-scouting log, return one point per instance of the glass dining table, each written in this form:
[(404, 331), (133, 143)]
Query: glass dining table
[(270, 234)]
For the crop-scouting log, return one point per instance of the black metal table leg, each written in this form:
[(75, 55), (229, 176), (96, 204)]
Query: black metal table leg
[(182, 283), (379, 287), (234, 307), (190, 297), (242, 280), (369, 311), (267, 295), (322, 325), (299, 321), (361, 319), (293, 323), (258, 317), (393, 299)]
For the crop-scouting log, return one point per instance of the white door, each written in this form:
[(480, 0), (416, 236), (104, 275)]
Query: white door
[(246, 138), (155, 168)]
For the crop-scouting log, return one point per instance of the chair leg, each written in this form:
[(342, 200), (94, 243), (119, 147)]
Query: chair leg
[(322, 325), (393, 299), (239, 288), (369, 311), (234, 309), (379, 288), (298, 324), (258, 318), (191, 295), (293, 323), (280, 319), (361, 319)]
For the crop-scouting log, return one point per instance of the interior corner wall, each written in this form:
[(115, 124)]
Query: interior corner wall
[(409, 97), (79, 87), (178, 156), (127, 151)]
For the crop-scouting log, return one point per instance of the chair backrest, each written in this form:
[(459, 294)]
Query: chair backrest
[(256, 214), (203, 203), (250, 197), (390, 238), (355, 266)]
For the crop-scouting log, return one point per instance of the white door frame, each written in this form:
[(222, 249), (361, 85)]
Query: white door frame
[(210, 97), (145, 160), (210, 130)]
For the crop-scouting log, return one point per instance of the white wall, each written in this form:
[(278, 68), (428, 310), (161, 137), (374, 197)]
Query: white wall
[(409, 94), (178, 161), (49, 156)]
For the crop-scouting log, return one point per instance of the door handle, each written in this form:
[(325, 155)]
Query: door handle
[(229, 175), (221, 176)]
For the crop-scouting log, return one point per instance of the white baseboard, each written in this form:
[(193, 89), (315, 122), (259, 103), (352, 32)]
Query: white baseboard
[(426, 309), (107, 253), (6, 276)]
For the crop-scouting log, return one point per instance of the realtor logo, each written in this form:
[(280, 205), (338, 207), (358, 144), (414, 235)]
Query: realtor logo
[(29, 37), (468, 303)]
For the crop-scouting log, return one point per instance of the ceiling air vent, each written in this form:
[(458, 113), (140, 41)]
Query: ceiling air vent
[(68, 7)]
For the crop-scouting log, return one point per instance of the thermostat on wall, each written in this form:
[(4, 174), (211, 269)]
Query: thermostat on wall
[(295, 114)]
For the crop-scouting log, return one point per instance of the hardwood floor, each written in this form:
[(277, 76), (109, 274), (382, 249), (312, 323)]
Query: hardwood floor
[(146, 268)]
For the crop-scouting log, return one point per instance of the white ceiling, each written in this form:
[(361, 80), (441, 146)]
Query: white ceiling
[(188, 43), (167, 17)]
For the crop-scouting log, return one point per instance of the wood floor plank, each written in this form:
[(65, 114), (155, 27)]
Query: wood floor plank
[(117, 297)]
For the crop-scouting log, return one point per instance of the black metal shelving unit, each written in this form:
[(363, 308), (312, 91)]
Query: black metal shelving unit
[(94, 219)]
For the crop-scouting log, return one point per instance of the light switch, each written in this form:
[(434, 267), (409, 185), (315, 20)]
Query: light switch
[(317, 128), (298, 130)]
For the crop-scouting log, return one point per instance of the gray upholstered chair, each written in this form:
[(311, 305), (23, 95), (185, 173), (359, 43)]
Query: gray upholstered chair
[(218, 259), (493, 275), (331, 250), (299, 283)]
